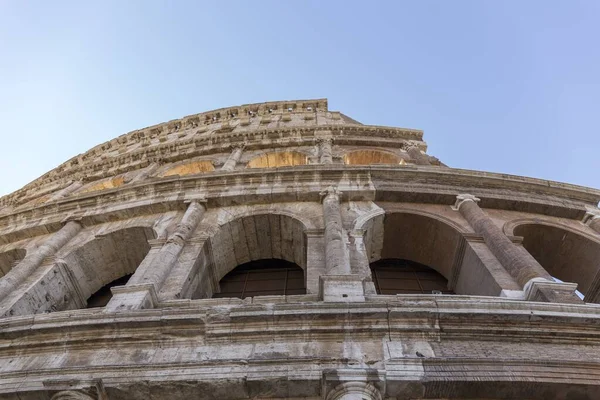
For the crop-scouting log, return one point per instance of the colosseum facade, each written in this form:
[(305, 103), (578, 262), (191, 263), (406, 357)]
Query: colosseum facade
[(285, 251)]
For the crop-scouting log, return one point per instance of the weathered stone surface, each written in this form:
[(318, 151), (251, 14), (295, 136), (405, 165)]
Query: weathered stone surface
[(296, 182)]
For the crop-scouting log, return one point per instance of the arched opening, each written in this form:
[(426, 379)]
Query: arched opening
[(396, 276), (105, 184), (103, 295), (278, 159), (566, 255), (414, 237), (196, 167), (250, 241), (369, 157), (411, 245), (270, 277), (9, 259), (108, 258)]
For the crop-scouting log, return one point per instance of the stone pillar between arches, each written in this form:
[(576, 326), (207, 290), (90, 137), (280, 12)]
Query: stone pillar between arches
[(535, 280), (143, 287), (339, 282)]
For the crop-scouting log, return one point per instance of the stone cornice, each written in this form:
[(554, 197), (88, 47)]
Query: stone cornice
[(219, 323), (410, 183), (216, 143)]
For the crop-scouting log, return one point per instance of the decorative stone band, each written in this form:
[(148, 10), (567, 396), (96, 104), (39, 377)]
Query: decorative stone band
[(234, 158), (354, 391), (33, 260), (592, 219)]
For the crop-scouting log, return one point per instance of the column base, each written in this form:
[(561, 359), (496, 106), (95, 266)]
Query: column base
[(132, 297), (551, 292), (346, 288)]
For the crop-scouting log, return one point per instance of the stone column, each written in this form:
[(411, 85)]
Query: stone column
[(515, 259), (415, 153), (142, 289), (170, 251), (335, 256), (592, 219), (338, 284), (354, 391), (234, 158), (35, 258), (66, 191), (359, 259), (325, 151), (145, 173)]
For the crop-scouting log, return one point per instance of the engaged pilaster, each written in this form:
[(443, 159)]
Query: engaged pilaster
[(419, 158), (339, 284), (234, 158), (142, 288), (66, 191), (521, 265), (592, 219), (33, 260), (325, 150)]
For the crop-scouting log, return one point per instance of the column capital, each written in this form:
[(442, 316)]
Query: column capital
[(200, 200), (235, 146), (591, 214), (462, 198), (330, 191), (354, 390)]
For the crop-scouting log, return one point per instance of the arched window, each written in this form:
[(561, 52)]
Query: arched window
[(263, 278), (107, 261), (278, 159), (9, 258), (396, 276), (103, 295), (566, 255), (196, 167), (369, 157), (105, 184)]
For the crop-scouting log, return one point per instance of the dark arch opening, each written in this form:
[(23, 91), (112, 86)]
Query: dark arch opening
[(398, 276), (108, 260), (266, 277), (565, 255), (9, 258), (103, 295)]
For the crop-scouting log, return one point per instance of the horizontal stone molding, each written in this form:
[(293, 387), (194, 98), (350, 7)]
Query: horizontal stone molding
[(419, 184)]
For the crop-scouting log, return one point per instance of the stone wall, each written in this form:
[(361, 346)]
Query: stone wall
[(181, 204)]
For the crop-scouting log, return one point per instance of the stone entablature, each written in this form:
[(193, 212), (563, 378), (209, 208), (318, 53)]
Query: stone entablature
[(175, 208)]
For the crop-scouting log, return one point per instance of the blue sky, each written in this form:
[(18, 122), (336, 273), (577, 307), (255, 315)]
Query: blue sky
[(504, 86)]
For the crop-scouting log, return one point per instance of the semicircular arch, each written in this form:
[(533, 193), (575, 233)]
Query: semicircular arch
[(257, 236), (568, 254), (413, 235)]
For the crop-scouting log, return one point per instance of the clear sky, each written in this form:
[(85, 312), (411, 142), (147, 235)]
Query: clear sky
[(502, 86)]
